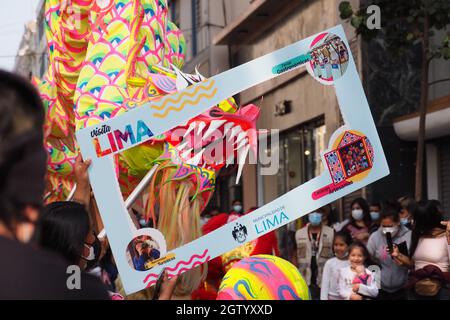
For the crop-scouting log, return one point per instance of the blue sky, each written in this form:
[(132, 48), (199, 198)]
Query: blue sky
[(13, 16)]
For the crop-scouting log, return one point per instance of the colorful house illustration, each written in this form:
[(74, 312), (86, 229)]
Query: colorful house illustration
[(353, 156)]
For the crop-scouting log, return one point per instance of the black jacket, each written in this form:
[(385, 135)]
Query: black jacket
[(30, 273)]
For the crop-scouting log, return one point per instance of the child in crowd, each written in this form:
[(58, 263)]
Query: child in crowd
[(348, 288), (329, 289)]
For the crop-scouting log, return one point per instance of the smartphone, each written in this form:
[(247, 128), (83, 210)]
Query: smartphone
[(403, 248), (389, 242), (158, 285)]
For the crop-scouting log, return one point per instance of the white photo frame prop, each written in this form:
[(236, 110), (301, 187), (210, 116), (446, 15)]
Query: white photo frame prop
[(354, 158)]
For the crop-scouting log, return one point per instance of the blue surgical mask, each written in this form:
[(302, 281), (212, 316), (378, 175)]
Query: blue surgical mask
[(91, 255), (315, 218), (404, 221), (374, 215)]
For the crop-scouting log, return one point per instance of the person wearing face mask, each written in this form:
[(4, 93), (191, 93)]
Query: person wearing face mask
[(55, 228), (375, 209), (407, 204), (314, 247), (208, 214), (142, 221), (65, 229), (236, 207), (68, 230), (26, 271), (429, 255), (359, 221), (393, 275), (329, 286)]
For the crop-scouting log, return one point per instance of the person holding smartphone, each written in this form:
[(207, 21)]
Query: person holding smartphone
[(390, 238), (430, 253)]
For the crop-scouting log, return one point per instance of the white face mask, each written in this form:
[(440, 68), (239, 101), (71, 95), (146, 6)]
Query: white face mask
[(344, 256), (237, 208), (91, 255), (357, 214), (392, 230), (25, 232), (204, 220)]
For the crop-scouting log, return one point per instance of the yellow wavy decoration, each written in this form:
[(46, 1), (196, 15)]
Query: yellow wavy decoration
[(192, 102), (184, 94)]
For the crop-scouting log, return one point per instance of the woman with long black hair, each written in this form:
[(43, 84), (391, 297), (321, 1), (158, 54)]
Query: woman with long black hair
[(28, 272), (65, 228), (359, 221), (429, 254)]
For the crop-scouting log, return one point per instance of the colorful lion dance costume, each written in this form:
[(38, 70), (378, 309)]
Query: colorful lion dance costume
[(109, 56), (263, 277)]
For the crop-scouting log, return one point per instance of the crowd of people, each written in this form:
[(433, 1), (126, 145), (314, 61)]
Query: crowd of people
[(395, 251), (398, 250)]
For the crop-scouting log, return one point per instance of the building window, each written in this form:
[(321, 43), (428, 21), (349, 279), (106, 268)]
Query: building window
[(41, 24), (43, 65), (40, 30), (174, 8), (300, 159), (197, 13), (196, 22)]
